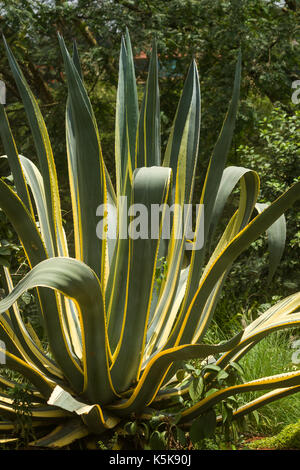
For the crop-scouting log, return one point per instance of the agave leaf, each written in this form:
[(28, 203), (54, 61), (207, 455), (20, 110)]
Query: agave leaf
[(121, 138), (116, 342), (219, 155), (35, 182), (78, 282), (52, 315), (282, 308), (63, 435), (93, 416), (73, 176), (116, 293), (263, 400), (184, 158), (9, 340), (231, 176), (208, 196), (186, 128), (157, 368), (13, 362), (90, 176), (277, 317), (76, 60), (132, 108), (23, 223), (212, 181), (248, 196), (73, 165), (292, 321), (37, 411), (20, 333), (99, 420), (148, 137), (14, 333), (288, 379), (150, 186), (186, 327), (7, 426), (155, 328)]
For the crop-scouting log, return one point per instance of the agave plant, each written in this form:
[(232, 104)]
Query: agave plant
[(115, 335)]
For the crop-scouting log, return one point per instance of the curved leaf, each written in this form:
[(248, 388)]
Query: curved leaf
[(43, 148), (148, 136), (289, 379), (158, 366), (13, 159), (186, 327)]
